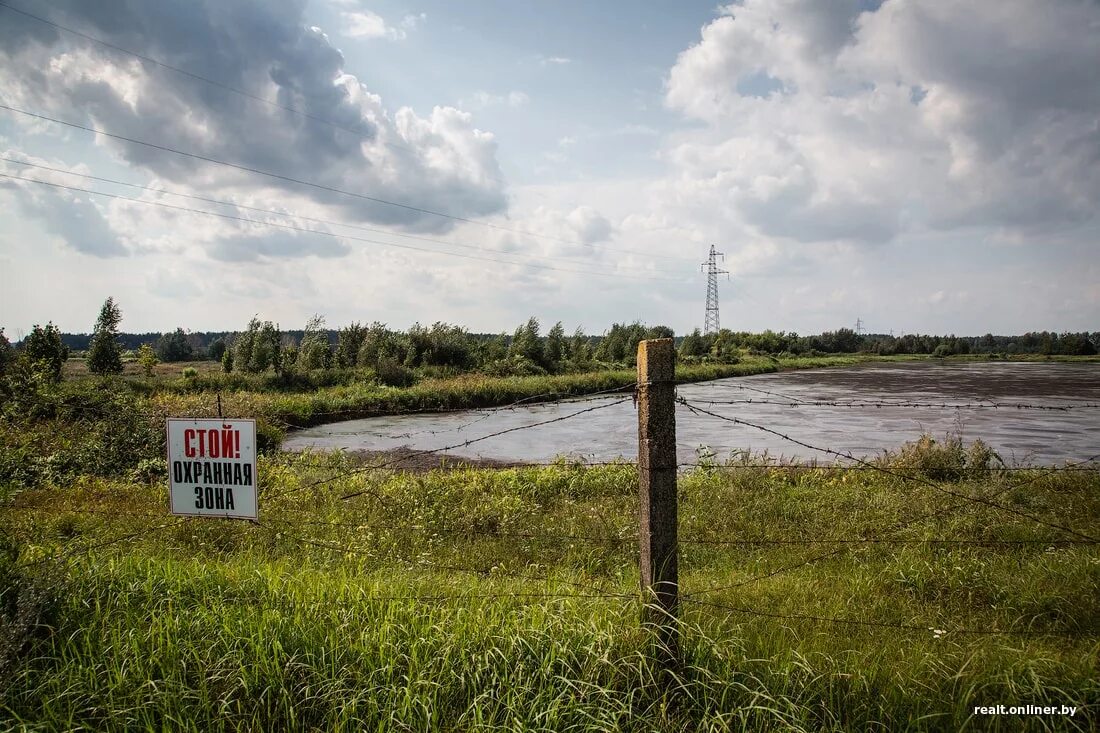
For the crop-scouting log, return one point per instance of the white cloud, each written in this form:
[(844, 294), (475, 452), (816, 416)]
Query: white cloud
[(824, 122), (412, 20), (343, 137), (554, 61), (368, 24), (482, 99)]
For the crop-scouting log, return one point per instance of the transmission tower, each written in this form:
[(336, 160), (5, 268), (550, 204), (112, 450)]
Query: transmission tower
[(859, 327), (711, 322)]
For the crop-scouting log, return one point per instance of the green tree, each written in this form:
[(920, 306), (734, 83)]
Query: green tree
[(174, 346), (556, 346), (659, 332), (147, 357), (724, 347), (105, 352), (227, 361), (440, 345), (380, 342), (45, 352), (259, 348), (493, 350), (693, 345), (216, 350), (580, 348), (620, 344), (314, 351), (526, 343), (348, 343), (7, 354)]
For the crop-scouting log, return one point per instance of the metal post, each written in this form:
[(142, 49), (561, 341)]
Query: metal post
[(657, 486)]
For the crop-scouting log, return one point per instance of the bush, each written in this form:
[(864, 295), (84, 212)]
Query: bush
[(45, 352), (949, 460), (28, 607), (393, 373), (189, 372), (942, 351), (174, 346), (148, 359), (514, 366), (77, 428)]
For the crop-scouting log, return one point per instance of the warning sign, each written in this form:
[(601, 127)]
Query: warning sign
[(212, 467)]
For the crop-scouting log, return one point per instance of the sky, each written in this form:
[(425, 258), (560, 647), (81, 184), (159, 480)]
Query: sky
[(923, 166)]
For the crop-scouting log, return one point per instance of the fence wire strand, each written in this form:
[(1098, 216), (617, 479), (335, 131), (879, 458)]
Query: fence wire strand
[(916, 479)]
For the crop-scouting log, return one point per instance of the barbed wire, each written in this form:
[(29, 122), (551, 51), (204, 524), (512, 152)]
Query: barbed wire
[(874, 624), (864, 404), (484, 572), (471, 531), (897, 527), (426, 529), (534, 400), (59, 557), (882, 541), (848, 456), (442, 449)]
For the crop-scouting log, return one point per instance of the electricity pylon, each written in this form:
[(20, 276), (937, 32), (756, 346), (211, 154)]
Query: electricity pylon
[(710, 325)]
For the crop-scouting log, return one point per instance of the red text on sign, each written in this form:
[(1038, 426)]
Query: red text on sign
[(224, 443)]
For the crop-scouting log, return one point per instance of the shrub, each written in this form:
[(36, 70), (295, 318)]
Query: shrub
[(45, 352), (393, 373), (174, 346), (190, 372), (514, 366), (949, 460), (148, 359)]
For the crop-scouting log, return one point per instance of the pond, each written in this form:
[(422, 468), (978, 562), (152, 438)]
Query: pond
[(850, 409)]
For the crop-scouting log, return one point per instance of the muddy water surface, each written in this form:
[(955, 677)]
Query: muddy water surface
[(1020, 435)]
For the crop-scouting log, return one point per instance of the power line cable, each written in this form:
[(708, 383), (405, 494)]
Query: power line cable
[(292, 215), (263, 100), (319, 186), (178, 70), (331, 234), (360, 131)]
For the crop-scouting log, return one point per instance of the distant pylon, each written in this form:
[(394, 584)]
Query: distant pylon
[(859, 326), (711, 325)]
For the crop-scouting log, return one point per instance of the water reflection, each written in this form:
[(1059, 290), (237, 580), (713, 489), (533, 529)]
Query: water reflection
[(1021, 436)]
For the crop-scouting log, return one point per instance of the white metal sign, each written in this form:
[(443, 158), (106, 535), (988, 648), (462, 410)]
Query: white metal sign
[(212, 467)]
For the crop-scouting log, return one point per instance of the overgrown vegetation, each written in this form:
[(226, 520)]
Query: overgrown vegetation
[(446, 349), (56, 431), (420, 604), (475, 599)]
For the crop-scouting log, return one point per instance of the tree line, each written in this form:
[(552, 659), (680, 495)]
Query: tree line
[(847, 341), (394, 354), (441, 347)]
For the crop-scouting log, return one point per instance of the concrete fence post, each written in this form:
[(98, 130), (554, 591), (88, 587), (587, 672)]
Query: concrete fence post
[(657, 495)]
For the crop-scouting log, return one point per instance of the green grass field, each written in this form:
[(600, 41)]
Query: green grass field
[(507, 600)]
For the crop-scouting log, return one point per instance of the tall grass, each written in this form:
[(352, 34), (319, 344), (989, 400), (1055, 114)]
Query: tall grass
[(365, 399), (403, 609)]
